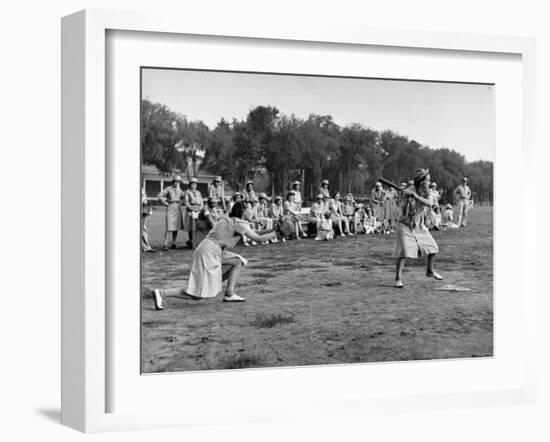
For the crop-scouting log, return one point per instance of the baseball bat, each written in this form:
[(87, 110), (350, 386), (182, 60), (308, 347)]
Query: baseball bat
[(390, 184)]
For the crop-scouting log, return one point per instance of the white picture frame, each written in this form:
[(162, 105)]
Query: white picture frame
[(85, 261)]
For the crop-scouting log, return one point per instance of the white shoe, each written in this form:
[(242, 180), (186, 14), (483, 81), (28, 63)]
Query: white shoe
[(435, 276), (283, 240), (398, 284), (157, 296), (233, 298)]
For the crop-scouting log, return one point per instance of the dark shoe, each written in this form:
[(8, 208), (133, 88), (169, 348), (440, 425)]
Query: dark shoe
[(164, 248), (173, 247)]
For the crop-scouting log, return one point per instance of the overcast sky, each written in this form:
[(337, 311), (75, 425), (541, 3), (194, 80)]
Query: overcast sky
[(457, 116)]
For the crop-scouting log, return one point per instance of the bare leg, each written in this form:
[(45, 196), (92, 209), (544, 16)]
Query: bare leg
[(399, 268), (178, 293), (431, 264), (297, 229), (231, 275), (166, 238)]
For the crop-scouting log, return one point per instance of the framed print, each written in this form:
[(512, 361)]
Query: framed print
[(285, 222)]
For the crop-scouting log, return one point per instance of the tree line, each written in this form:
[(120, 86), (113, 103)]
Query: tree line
[(274, 149)]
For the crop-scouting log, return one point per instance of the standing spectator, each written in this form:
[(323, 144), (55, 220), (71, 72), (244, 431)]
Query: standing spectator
[(171, 197), (250, 193), (462, 194), (193, 202), (436, 195), (145, 212), (215, 189), (323, 190), (391, 209), (348, 210), (377, 201), (297, 194)]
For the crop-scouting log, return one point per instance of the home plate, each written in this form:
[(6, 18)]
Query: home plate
[(453, 288)]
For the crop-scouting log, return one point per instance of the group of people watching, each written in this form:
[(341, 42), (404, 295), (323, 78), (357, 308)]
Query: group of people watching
[(331, 214), (250, 218)]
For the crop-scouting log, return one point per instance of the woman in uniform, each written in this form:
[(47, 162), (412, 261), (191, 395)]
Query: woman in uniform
[(348, 210), (262, 212), (413, 238), (391, 209), (323, 190), (316, 212), (215, 189), (297, 194), (213, 263), (171, 197), (377, 200), (338, 218), (193, 202), (284, 225), (250, 193), (291, 211)]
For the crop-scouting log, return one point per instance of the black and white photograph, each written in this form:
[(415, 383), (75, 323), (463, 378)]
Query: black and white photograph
[(294, 220)]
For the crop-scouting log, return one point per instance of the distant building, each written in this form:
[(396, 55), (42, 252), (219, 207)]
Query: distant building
[(155, 181)]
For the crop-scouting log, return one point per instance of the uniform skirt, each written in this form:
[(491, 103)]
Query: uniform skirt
[(188, 221), (286, 226), (174, 218), (205, 280), (378, 211), (412, 243), (391, 210)]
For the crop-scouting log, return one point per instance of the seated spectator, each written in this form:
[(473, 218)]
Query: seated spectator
[(291, 212), (360, 219), (276, 213), (372, 225), (262, 214), (433, 221), (338, 218), (317, 211), (324, 230), (447, 218)]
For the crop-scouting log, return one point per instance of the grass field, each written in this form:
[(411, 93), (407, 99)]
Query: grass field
[(313, 303)]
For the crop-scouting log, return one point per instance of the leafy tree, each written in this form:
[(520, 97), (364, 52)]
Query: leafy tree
[(355, 143)]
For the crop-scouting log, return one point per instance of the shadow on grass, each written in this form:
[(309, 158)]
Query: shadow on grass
[(263, 320)]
